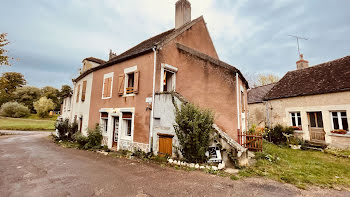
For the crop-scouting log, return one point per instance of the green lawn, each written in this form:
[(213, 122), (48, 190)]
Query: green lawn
[(301, 168), (27, 124)]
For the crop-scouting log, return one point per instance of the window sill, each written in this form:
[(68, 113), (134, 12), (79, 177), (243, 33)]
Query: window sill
[(105, 98), (298, 131), (340, 135), (127, 95)]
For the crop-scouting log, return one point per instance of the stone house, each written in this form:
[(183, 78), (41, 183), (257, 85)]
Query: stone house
[(314, 100), (125, 95)]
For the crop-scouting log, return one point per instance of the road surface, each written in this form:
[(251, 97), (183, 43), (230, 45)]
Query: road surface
[(31, 165)]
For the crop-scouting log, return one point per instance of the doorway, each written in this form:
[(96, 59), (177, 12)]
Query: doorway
[(165, 145), (115, 131), (317, 133)]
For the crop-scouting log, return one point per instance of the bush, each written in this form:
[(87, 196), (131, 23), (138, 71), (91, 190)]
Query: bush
[(14, 110), (94, 139), (193, 128), (275, 135), (80, 139), (43, 106), (66, 130)]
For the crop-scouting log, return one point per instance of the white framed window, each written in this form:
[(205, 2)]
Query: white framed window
[(107, 86), (168, 78), (339, 120), (128, 125), (104, 122), (295, 119), (130, 79)]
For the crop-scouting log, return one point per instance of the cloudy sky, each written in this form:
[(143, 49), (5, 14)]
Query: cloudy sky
[(51, 37)]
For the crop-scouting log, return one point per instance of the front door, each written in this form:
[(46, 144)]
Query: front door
[(317, 133), (165, 145), (115, 131)]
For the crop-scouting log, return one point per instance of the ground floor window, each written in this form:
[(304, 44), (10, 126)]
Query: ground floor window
[(340, 121), (295, 119), (104, 121), (127, 120)]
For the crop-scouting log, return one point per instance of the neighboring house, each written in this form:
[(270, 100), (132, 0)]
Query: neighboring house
[(182, 60), (80, 100), (66, 107), (314, 99), (256, 105)]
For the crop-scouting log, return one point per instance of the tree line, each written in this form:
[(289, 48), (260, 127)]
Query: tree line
[(13, 89)]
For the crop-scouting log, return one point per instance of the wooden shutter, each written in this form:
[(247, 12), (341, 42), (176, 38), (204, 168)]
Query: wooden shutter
[(78, 92), (136, 81), (121, 79), (83, 93), (109, 85), (104, 93)]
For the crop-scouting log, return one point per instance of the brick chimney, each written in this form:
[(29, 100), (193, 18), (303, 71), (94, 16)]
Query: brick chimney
[(182, 13), (301, 64), (111, 54)]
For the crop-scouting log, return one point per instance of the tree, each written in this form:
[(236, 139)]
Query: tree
[(43, 106), (9, 82), (53, 94), (27, 95), (4, 59), (193, 128), (264, 79), (65, 91), (14, 110)]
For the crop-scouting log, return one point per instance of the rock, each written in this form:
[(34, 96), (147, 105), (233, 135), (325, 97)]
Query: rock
[(201, 167), (214, 168), (208, 167), (196, 166), (192, 165), (170, 161), (221, 166), (175, 162), (231, 171)]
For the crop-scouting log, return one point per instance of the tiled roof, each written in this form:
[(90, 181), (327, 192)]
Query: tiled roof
[(257, 94), (96, 60), (329, 77), (143, 47)]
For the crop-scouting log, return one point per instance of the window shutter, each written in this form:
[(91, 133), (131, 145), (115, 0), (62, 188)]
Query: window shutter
[(83, 91), (104, 94), (136, 81), (78, 92), (109, 86), (121, 84)]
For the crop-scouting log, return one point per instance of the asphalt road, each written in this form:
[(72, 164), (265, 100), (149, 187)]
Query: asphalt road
[(31, 165)]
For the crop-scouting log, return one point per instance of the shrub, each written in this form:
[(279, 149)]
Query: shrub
[(94, 139), (80, 139), (66, 130), (275, 135), (193, 128), (43, 106), (14, 110)]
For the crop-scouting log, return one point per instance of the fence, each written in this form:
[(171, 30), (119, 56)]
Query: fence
[(253, 142)]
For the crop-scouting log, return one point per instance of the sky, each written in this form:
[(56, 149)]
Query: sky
[(52, 37)]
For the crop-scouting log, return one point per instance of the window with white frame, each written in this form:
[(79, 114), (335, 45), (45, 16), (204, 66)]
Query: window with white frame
[(295, 119), (340, 121), (168, 78), (104, 121), (128, 82), (127, 123), (107, 85)]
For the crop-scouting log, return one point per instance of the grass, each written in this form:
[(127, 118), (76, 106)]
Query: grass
[(301, 168), (31, 123)]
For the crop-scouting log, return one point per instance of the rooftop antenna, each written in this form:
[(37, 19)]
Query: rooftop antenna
[(298, 37)]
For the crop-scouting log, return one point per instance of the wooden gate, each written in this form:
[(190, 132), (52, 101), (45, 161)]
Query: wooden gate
[(251, 141), (165, 145)]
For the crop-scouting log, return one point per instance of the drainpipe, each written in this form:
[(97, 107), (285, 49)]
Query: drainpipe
[(237, 99), (153, 96)]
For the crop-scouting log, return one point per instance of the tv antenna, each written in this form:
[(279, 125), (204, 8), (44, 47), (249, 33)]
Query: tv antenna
[(298, 37)]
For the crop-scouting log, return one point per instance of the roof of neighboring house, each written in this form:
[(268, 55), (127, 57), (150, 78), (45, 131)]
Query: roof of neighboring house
[(324, 78), (144, 47), (212, 60), (257, 94), (96, 60)]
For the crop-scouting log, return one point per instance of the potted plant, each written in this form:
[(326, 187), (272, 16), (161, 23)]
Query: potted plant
[(339, 131), (296, 128)]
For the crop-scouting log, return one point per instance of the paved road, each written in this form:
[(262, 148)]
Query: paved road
[(31, 165)]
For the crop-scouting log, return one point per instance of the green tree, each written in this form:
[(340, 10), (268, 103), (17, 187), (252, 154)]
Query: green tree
[(43, 106), (4, 59), (264, 79), (65, 91), (53, 94), (9, 82), (193, 128), (27, 95)]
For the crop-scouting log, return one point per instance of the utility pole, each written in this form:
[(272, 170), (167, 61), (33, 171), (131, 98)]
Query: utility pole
[(298, 37)]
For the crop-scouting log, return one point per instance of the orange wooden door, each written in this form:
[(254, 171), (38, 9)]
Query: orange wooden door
[(165, 145)]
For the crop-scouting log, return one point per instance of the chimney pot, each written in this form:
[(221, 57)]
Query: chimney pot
[(301, 64), (182, 13)]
